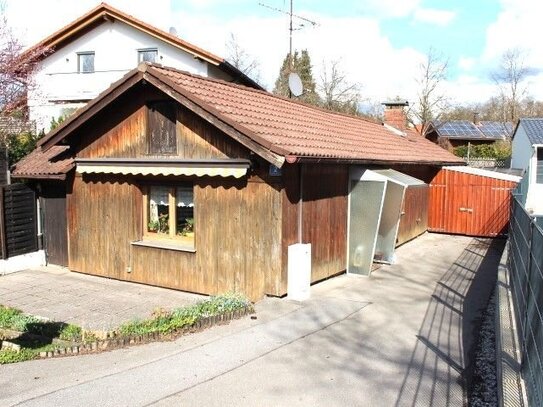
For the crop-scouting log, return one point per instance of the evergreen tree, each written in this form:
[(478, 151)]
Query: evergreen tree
[(301, 64)]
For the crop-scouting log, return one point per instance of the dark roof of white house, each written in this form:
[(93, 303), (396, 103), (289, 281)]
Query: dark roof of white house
[(533, 128)]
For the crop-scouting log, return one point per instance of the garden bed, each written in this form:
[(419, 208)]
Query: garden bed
[(25, 337)]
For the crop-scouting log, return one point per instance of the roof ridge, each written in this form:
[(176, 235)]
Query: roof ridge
[(265, 92), (105, 8)]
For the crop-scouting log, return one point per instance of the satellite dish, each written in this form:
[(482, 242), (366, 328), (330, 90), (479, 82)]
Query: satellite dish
[(295, 84)]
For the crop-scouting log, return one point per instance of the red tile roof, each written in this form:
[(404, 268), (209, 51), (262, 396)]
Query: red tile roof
[(284, 127), (44, 164), (302, 130)]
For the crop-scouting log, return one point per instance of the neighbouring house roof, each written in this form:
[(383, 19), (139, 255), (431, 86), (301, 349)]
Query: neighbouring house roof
[(533, 128), (466, 130), (50, 164), (276, 128), (104, 12)]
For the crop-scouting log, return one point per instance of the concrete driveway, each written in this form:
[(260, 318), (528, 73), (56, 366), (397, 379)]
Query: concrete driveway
[(91, 302), (403, 337)]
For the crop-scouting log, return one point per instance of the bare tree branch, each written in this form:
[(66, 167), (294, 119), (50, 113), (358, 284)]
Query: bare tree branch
[(509, 78), (338, 93), (241, 59), (431, 98)]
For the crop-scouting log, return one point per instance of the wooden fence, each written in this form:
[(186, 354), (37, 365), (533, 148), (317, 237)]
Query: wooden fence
[(18, 220), (469, 204)]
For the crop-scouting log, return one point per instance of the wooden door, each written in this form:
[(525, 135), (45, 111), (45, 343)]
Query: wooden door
[(55, 238)]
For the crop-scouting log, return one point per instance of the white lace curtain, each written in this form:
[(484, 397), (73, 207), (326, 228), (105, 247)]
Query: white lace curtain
[(159, 196)]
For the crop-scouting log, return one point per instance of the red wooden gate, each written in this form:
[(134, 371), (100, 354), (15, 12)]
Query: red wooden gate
[(470, 202)]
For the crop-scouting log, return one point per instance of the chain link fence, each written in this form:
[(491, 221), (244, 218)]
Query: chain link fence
[(526, 271), (484, 162)]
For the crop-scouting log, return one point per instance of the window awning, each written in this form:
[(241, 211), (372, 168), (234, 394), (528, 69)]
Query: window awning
[(236, 168)]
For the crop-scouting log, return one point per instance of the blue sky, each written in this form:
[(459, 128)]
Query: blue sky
[(379, 43)]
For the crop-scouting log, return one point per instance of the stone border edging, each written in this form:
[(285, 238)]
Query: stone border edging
[(125, 341), (511, 390)]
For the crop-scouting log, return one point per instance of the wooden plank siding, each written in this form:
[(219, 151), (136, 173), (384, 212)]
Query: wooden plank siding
[(127, 138), (54, 227), (324, 216), (414, 219), (468, 204), (238, 223), (234, 249)]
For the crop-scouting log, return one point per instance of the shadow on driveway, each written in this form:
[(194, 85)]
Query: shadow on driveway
[(444, 352)]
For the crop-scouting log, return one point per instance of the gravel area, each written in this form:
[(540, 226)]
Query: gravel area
[(484, 386)]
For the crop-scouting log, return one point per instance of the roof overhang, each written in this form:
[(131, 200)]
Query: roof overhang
[(164, 167), (56, 177), (291, 159)]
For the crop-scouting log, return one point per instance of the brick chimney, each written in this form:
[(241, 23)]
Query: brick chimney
[(395, 115)]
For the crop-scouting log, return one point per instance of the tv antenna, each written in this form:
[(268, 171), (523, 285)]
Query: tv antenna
[(291, 28)]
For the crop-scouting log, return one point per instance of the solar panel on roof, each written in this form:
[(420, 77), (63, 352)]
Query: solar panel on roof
[(459, 128), (496, 130)]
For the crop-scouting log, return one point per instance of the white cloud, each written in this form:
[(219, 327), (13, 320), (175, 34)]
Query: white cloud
[(390, 8), (366, 54), (434, 16), (466, 63), (46, 17)]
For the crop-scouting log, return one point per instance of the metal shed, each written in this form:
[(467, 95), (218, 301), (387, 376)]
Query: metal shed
[(414, 213), (376, 204), (470, 201)]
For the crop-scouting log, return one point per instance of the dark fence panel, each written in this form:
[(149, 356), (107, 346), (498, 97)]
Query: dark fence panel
[(18, 223), (526, 269)]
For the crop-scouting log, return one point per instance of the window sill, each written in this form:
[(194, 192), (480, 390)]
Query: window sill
[(164, 245)]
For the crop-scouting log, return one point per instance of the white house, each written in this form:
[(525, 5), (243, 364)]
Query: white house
[(528, 156), (98, 48)]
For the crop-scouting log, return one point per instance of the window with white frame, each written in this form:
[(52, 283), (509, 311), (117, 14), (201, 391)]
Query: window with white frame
[(169, 213), (85, 62), (147, 55), (539, 166)]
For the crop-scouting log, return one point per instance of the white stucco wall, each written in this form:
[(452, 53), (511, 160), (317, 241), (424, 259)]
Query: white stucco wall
[(58, 85), (521, 150), (534, 198)]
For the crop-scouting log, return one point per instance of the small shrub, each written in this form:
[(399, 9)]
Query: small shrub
[(70, 333), (11, 356), (7, 315), (12, 318), (167, 322)]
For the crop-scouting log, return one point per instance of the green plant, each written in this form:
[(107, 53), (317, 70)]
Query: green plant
[(166, 322), (498, 150), (11, 356), (188, 227), (164, 225), (12, 318), (153, 225), (160, 225), (70, 333)]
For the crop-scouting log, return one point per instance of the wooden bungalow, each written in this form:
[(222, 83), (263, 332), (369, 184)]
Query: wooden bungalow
[(197, 184)]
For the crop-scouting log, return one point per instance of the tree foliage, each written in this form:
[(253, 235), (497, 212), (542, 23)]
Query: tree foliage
[(431, 97), (498, 149), (16, 75), (301, 64)]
